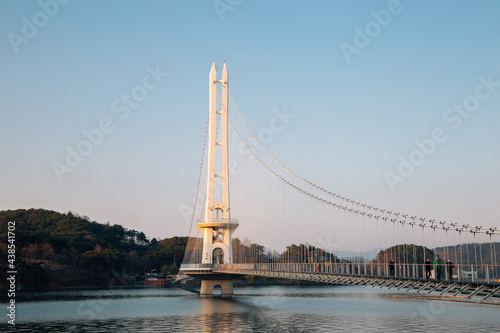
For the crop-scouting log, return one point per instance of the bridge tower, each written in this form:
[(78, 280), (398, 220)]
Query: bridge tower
[(217, 226)]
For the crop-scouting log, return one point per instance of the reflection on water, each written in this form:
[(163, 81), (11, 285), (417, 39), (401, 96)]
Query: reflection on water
[(253, 309)]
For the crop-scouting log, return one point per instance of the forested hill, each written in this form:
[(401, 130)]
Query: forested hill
[(65, 249)]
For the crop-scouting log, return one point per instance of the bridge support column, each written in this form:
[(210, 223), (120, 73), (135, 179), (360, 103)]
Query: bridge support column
[(207, 288)]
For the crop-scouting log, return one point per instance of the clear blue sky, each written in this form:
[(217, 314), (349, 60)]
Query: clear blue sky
[(355, 114)]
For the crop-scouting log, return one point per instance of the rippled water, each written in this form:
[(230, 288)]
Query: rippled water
[(252, 309)]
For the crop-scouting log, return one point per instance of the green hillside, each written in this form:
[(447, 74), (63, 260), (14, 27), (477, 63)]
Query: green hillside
[(64, 249)]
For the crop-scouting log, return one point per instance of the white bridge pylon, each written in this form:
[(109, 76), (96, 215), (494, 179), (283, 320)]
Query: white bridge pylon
[(217, 226)]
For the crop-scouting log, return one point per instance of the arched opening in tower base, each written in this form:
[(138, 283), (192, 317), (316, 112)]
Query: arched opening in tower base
[(207, 288)]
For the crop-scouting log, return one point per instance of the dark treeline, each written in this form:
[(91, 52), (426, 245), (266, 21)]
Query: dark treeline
[(465, 254), (405, 253), (306, 253), (472, 253), (55, 249), (248, 252)]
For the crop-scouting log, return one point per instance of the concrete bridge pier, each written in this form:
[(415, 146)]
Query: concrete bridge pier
[(207, 288)]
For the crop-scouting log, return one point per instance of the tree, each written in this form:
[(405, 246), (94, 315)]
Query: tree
[(404, 253), (250, 278)]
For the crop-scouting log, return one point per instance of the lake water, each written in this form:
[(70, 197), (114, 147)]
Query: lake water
[(252, 309)]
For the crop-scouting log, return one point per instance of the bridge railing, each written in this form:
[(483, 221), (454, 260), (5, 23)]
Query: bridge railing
[(197, 266), (462, 273), (221, 220)]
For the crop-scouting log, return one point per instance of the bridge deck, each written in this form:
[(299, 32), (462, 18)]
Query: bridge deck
[(485, 292), (465, 290)]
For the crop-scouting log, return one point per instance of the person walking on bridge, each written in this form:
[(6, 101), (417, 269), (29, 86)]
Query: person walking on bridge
[(428, 268), (450, 267), (391, 267), (437, 268)]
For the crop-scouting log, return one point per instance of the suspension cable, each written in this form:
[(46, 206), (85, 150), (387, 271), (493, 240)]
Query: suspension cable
[(338, 196)]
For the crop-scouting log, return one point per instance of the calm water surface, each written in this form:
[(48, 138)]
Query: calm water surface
[(252, 309)]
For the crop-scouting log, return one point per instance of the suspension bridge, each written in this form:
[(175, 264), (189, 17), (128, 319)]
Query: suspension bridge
[(293, 228)]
